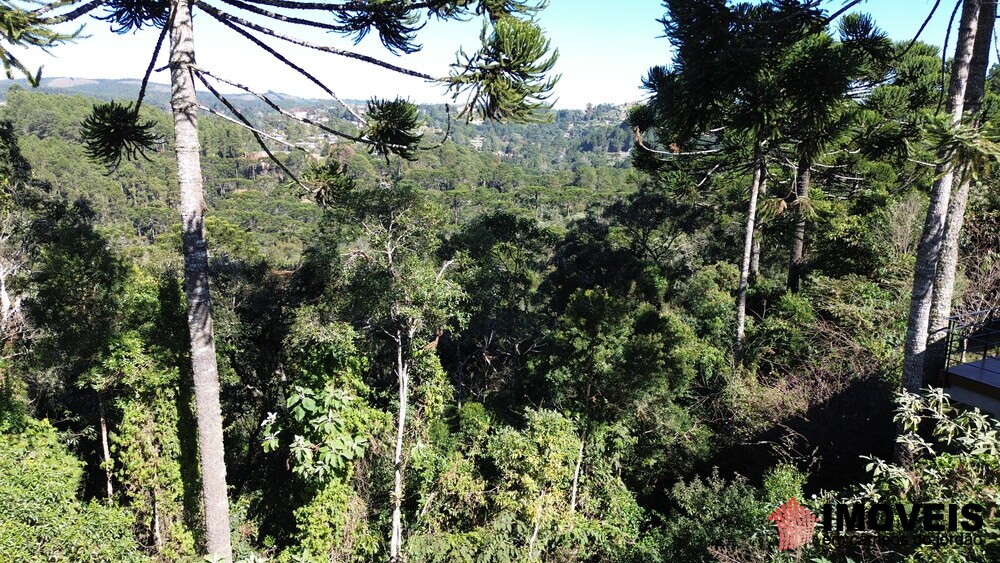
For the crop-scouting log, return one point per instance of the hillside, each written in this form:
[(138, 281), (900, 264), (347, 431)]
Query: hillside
[(751, 319), (551, 171), (595, 131)]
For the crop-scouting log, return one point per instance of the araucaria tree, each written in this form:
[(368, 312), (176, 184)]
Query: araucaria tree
[(724, 89), (506, 79), (961, 156)]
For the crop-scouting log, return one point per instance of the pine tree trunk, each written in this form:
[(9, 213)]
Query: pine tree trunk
[(741, 299), (929, 250), (402, 374), (944, 280), (802, 181), (204, 366)]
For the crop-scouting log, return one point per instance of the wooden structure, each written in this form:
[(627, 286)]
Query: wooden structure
[(972, 368)]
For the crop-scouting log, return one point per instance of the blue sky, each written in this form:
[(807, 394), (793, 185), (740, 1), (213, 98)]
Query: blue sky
[(605, 46)]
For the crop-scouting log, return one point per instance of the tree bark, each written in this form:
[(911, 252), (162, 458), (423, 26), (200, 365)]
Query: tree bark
[(157, 533), (741, 299), (204, 367), (576, 476), (105, 448), (402, 374), (929, 250), (802, 181), (944, 280)]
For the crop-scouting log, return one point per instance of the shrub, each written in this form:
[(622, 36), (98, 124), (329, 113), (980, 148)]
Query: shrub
[(41, 518)]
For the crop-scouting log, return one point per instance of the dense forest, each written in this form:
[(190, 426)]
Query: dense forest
[(619, 334)]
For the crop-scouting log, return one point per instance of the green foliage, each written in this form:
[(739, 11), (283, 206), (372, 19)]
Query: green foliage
[(114, 131), (714, 513), (323, 424), (784, 337), (328, 446), (21, 28), (707, 301), (333, 526), (131, 15), (505, 79), (392, 127), (112, 368), (14, 169), (520, 510), (145, 443), (396, 25), (330, 183), (969, 147), (711, 77), (79, 285), (607, 355), (590, 257), (565, 321), (499, 259), (952, 456), (41, 518)]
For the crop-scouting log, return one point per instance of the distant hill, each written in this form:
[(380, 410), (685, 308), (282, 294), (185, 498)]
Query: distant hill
[(156, 94), (595, 136)]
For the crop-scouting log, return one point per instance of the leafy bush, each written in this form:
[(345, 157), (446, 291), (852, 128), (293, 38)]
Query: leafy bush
[(41, 518), (713, 519), (954, 457)]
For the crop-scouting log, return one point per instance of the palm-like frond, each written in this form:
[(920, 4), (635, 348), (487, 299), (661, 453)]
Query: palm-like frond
[(968, 147), (113, 131), (129, 15), (395, 23), (506, 78), (330, 184), (392, 126), (21, 28)]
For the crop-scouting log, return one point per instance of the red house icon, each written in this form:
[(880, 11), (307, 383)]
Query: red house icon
[(795, 524)]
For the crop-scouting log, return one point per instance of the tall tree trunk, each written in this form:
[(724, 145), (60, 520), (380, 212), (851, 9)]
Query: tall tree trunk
[(576, 476), (741, 299), (402, 374), (802, 180), (755, 258), (157, 532), (105, 448), (204, 368), (944, 280), (929, 250)]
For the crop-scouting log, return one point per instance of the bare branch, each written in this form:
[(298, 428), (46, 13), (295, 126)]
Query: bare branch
[(71, 15), (307, 121), (921, 30), (707, 176), (278, 108), (229, 19), (281, 17), (152, 63), (256, 133), (944, 56), (224, 19), (440, 274), (54, 6), (341, 7), (642, 145), (841, 11), (250, 128)]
